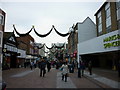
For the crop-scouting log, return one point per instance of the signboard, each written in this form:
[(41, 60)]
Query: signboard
[(104, 43)]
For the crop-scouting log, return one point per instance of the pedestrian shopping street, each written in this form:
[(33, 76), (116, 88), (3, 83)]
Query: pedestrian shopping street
[(27, 78), (60, 45)]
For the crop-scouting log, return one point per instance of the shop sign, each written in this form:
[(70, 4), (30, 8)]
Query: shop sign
[(112, 41)]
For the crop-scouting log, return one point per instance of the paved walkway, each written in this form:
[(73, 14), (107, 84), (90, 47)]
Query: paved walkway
[(26, 78), (62, 84), (22, 74), (109, 82)]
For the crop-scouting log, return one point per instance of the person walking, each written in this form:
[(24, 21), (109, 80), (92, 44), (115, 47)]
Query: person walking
[(31, 65), (35, 65), (48, 66), (79, 69), (90, 67), (64, 71), (82, 67), (42, 66)]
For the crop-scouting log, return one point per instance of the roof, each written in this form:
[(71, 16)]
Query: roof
[(7, 35), (2, 12), (84, 21), (100, 8)]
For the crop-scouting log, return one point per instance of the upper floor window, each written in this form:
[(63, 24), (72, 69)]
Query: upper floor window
[(1, 19), (108, 17), (12, 39), (99, 17), (1, 37), (118, 13)]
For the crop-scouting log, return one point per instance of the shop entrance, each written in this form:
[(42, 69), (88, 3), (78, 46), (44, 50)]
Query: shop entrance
[(13, 59)]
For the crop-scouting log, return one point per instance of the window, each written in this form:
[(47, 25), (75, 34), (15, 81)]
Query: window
[(12, 39), (1, 19), (108, 17), (1, 37), (118, 13), (99, 23)]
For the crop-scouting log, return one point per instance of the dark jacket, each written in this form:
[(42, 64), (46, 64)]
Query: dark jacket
[(42, 65)]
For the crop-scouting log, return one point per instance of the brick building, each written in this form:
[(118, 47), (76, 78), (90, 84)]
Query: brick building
[(2, 29), (27, 43)]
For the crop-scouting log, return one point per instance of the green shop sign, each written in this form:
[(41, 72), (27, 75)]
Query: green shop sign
[(112, 38)]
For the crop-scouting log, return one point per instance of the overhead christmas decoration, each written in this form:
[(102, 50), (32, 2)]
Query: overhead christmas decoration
[(53, 51), (41, 46), (63, 35), (44, 35), (49, 48), (44, 51), (59, 47), (21, 35)]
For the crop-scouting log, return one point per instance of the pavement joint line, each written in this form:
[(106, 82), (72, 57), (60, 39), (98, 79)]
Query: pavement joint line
[(109, 82), (63, 84)]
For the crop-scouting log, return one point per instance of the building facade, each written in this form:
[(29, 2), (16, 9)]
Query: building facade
[(2, 20), (2, 29), (22, 53), (72, 42), (10, 51), (29, 42), (104, 49), (81, 32)]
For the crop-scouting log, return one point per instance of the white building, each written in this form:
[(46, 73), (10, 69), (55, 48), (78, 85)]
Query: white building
[(86, 31)]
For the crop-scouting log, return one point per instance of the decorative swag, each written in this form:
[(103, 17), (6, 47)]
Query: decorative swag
[(40, 35), (21, 35), (59, 47), (63, 35), (41, 46)]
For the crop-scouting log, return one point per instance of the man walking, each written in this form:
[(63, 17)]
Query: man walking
[(42, 65), (90, 67), (79, 69)]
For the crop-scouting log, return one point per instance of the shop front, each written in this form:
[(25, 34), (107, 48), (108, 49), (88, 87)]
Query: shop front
[(9, 51), (103, 51)]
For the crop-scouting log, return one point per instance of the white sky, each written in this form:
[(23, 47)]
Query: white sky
[(45, 14)]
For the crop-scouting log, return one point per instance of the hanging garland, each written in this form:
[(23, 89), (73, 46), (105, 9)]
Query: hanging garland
[(63, 35), (41, 46), (53, 51), (59, 47), (40, 35), (44, 51), (49, 48), (21, 35)]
